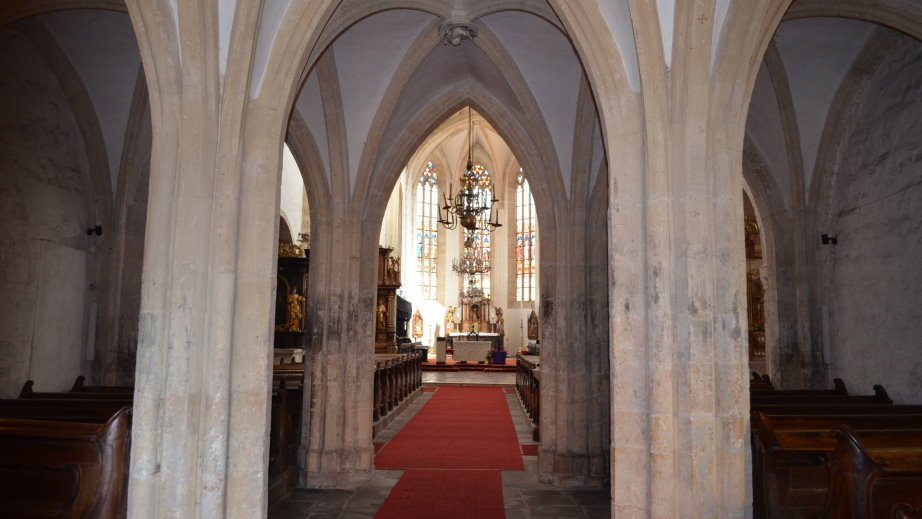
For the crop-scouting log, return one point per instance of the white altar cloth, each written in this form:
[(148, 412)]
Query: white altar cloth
[(471, 350)]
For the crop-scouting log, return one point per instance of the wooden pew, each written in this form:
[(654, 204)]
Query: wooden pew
[(876, 474), (396, 377), (760, 382), (80, 387), (790, 453), (65, 469), (880, 396), (70, 413), (838, 388), (28, 393), (793, 437)]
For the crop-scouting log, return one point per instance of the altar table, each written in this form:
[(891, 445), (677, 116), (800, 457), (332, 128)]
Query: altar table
[(471, 350)]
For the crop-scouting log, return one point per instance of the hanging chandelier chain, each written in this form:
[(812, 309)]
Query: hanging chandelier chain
[(472, 207)]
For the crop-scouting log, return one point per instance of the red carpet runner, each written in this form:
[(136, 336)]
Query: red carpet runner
[(455, 447)]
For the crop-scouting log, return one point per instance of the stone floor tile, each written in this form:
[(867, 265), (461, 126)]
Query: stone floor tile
[(597, 511), (548, 500), (530, 492), (555, 511)]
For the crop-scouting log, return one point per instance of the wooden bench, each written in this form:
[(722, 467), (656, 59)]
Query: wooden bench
[(880, 396), (760, 382), (791, 477), (80, 387), (838, 388), (28, 392), (65, 469), (876, 474)]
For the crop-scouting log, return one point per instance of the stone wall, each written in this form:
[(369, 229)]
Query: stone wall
[(46, 258), (874, 276)]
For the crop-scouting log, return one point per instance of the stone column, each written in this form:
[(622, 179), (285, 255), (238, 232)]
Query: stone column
[(337, 450), (574, 344)]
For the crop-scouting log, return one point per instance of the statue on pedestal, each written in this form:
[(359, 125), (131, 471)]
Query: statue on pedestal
[(533, 326), (450, 319), (381, 317), (417, 324), (500, 322), (295, 311)]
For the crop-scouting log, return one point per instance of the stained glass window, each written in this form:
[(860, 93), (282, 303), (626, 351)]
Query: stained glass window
[(483, 238), (526, 234), (427, 232)]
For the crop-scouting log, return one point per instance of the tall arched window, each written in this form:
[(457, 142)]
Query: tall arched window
[(482, 238), (526, 234), (427, 232)]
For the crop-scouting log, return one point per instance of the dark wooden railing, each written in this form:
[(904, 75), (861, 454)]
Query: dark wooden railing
[(528, 386), (397, 377)]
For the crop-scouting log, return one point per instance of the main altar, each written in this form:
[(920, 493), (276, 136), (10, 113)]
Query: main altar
[(494, 340)]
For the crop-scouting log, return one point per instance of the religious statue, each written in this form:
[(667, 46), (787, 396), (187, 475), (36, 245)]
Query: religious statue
[(417, 324), (756, 293), (500, 322), (382, 317), (393, 270), (295, 311), (450, 319), (533, 326), (753, 238)]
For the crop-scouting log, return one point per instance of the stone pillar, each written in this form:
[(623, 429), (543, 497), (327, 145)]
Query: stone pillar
[(202, 386), (574, 345), (337, 450)]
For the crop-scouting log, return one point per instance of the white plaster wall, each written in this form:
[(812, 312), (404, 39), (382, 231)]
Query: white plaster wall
[(292, 200), (102, 48), (367, 56), (875, 278), (764, 127), (549, 65), (391, 227), (817, 53), (310, 106), (45, 256)]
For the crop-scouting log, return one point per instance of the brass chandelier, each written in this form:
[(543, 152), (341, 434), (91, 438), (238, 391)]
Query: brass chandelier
[(472, 262), (472, 207)]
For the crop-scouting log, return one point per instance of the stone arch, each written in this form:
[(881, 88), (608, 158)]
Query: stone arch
[(240, 255), (419, 51), (99, 192), (13, 11), (346, 17), (284, 229), (900, 15), (304, 149), (428, 119), (130, 214), (768, 203)]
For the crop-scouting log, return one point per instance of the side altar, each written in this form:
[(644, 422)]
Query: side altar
[(386, 302), (291, 297)]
